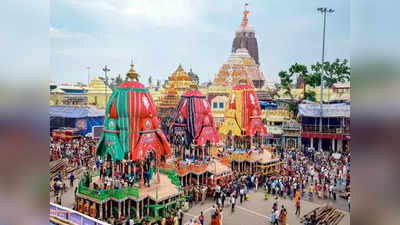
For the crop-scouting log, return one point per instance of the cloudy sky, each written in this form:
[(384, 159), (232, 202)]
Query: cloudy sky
[(160, 34)]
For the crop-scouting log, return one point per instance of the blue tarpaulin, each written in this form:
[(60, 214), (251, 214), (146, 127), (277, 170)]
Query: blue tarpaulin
[(81, 117), (268, 104)]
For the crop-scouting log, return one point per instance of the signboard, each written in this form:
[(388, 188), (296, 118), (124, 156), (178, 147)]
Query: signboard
[(291, 125), (81, 124), (274, 129), (329, 110), (96, 131)]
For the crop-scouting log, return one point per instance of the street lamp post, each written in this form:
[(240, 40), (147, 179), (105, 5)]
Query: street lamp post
[(323, 11), (88, 75), (88, 80), (105, 69)]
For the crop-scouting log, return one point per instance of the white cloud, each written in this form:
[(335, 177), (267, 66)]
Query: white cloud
[(58, 33), (177, 13)]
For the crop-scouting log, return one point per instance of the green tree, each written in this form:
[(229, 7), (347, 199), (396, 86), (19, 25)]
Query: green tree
[(338, 71), (294, 107), (286, 82), (301, 71), (118, 79)]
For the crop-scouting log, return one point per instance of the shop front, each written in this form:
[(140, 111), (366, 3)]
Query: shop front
[(274, 135), (291, 137)]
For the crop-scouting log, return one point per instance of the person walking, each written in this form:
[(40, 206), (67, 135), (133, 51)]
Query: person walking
[(241, 195), (256, 183), (310, 191), (283, 215), (348, 201), (203, 195), (222, 198), (180, 216), (233, 201), (297, 207), (201, 218), (272, 217), (190, 199), (176, 220), (71, 180)]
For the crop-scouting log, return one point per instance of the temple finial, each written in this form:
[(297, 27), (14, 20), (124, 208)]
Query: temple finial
[(245, 13)]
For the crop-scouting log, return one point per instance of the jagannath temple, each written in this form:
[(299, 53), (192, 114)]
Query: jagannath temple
[(130, 183), (242, 64)]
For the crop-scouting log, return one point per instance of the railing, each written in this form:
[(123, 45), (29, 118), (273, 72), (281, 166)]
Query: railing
[(107, 193), (335, 129), (192, 167), (167, 166), (225, 160), (198, 168), (171, 175), (241, 157)]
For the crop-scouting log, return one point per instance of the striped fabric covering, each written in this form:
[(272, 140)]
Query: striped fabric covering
[(247, 112), (134, 111), (196, 111)]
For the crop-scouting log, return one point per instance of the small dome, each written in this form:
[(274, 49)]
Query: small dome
[(180, 74)]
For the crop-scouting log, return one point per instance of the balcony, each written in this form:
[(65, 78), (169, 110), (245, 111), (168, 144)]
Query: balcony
[(333, 129)]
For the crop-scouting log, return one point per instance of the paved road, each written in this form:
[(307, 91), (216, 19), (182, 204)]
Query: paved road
[(68, 198), (256, 211)]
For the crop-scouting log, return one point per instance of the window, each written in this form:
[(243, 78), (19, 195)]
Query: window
[(221, 105), (215, 105)]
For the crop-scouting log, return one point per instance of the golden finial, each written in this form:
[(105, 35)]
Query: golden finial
[(132, 73), (179, 69), (193, 86)]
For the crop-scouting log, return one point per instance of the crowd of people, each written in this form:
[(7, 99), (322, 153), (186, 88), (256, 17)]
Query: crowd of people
[(126, 172), (79, 151), (306, 174)]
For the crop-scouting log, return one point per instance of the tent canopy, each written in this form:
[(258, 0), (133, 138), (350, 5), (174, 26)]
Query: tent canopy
[(75, 111)]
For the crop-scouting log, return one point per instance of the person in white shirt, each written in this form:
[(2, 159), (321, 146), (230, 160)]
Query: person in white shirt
[(348, 202), (131, 222), (233, 201)]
